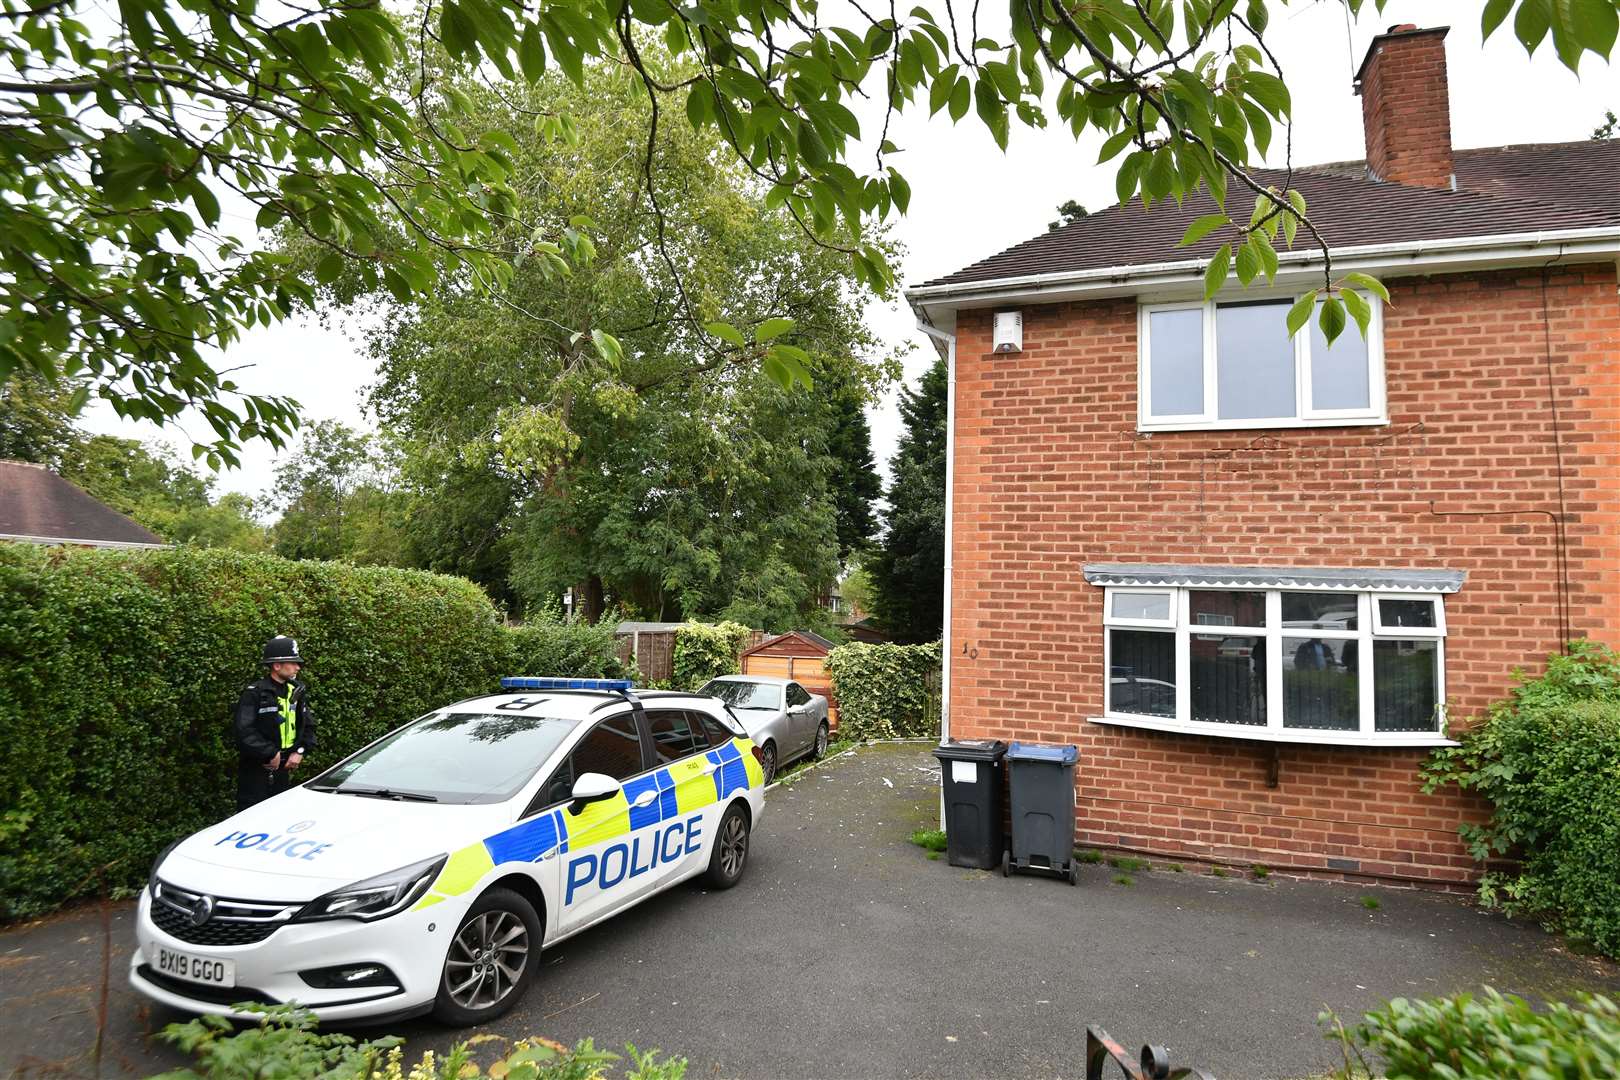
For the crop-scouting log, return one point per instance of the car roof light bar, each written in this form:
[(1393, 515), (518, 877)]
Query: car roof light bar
[(530, 682)]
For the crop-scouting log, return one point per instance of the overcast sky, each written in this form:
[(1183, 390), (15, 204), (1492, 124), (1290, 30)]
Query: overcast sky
[(970, 200)]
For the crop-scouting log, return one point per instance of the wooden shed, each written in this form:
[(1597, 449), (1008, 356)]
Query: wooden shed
[(798, 655)]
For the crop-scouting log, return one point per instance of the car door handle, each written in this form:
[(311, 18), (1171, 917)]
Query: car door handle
[(645, 799), (548, 855), (708, 770)]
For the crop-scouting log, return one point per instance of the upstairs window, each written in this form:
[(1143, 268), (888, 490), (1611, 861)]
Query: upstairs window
[(1233, 365)]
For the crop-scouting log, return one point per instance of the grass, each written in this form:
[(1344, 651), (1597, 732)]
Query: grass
[(1177, 868), (931, 839), (1124, 879), (933, 855), (1216, 871), (1128, 864), (1371, 903), (1089, 856), (1260, 871)]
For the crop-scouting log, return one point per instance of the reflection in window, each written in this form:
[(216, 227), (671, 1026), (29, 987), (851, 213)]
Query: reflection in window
[(1228, 679), (1142, 606), (1209, 608), (1406, 682), (1393, 614), (1318, 611), (1142, 673), (1321, 685)]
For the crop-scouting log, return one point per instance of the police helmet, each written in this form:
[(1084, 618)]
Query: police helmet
[(282, 650)]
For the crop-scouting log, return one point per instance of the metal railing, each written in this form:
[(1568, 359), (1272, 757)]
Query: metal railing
[(1153, 1063)]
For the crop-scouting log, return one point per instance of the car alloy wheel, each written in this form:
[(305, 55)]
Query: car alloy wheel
[(767, 761), (487, 960), (821, 741), (730, 854)]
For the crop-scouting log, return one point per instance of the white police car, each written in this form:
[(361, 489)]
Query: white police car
[(424, 872)]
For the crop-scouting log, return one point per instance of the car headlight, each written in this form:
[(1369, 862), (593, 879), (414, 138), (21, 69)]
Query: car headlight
[(157, 864), (376, 897)]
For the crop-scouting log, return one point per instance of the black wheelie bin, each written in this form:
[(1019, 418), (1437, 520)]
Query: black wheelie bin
[(970, 776), (1042, 795)]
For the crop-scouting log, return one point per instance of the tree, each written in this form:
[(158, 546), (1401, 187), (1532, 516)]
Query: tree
[(671, 480), (336, 500), (908, 568), (119, 137), (1068, 213), (36, 424), (1607, 129)]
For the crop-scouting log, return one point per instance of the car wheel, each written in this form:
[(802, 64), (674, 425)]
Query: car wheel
[(491, 959), (767, 761), (820, 746), (730, 855)]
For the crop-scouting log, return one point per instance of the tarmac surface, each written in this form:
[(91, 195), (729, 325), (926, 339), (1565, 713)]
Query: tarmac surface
[(846, 952)]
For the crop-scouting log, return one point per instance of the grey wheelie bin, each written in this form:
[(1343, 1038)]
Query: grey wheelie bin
[(1042, 785), (970, 774)]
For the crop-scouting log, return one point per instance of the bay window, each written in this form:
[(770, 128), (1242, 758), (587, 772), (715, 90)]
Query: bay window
[(1234, 365), (1290, 664)]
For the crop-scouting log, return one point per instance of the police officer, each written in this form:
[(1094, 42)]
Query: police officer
[(272, 725)]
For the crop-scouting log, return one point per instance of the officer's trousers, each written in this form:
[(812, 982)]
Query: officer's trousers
[(255, 783)]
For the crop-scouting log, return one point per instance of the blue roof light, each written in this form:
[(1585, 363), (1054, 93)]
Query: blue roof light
[(530, 682)]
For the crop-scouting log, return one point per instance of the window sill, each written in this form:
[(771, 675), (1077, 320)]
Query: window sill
[(1393, 740), (1282, 424)]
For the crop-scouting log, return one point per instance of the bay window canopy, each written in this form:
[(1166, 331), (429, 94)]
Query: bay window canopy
[(1338, 656)]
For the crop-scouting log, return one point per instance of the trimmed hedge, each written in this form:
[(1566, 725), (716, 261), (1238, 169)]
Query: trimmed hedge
[(886, 691), (122, 668), (705, 650)]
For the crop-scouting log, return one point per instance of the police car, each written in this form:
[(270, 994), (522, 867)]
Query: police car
[(425, 872)]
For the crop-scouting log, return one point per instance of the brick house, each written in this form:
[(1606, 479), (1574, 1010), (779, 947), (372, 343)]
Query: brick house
[(1251, 577)]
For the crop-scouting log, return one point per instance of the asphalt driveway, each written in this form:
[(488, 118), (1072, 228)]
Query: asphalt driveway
[(845, 951)]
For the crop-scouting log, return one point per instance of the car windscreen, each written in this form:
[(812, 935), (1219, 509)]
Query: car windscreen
[(745, 695), (451, 758)]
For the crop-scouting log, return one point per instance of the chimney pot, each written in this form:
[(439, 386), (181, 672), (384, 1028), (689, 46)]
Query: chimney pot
[(1406, 107)]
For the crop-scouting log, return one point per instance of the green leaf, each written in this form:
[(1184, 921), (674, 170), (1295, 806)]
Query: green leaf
[(1369, 283), (1215, 275), (1290, 222), (207, 205), (1300, 313), (532, 53), (1248, 261), (1532, 22), (330, 268), (1332, 319), (1358, 307), (1203, 227), (961, 98), (1114, 144), (725, 332), (1269, 91), (1495, 11), (773, 328)]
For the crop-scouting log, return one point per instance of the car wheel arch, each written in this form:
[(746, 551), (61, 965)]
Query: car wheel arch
[(526, 887)]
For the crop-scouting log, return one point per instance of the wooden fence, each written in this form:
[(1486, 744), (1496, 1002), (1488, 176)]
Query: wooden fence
[(654, 652)]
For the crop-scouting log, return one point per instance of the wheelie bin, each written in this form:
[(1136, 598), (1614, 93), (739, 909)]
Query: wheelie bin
[(1042, 795), (970, 775)]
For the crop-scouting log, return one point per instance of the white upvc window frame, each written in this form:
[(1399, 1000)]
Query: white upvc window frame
[(1273, 633), (1208, 419), (1166, 623), (1438, 630)]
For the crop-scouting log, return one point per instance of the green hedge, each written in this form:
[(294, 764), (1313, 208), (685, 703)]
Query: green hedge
[(886, 691), (1548, 759), (122, 669), (705, 650)]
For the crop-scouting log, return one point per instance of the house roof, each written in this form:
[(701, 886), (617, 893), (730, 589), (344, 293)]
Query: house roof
[(803, 635), (39, 506), (1501, 190)]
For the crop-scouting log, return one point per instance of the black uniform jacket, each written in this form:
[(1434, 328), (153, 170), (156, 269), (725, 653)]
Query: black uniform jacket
[(259, 715)]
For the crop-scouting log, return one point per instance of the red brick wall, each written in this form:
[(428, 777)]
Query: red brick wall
[(1051, 473), (1406, 108)]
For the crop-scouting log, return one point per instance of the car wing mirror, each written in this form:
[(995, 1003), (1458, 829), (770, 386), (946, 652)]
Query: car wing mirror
[(592, 787)]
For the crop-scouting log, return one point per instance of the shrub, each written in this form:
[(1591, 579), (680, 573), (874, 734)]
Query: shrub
[(122, 668), (1486, 1038), (1548, 759), (886, 691), (285, 1043), (704, 650)]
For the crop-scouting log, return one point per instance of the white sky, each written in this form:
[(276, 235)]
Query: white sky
[(969, 200)]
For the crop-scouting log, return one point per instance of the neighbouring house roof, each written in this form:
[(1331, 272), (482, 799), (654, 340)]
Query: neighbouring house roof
[(1501, 191), (1275, 577), (805, 636), (40, 507)]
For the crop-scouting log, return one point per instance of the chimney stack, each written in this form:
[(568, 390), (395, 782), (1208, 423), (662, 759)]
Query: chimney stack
[(1406, 107)]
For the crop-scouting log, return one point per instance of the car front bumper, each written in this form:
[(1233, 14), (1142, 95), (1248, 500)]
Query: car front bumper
[(411, 945)]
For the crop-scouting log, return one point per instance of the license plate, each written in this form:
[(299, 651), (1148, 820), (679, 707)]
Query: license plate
[(197, 969)]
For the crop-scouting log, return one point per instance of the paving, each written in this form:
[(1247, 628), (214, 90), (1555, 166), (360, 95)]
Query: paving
[(846, 952)]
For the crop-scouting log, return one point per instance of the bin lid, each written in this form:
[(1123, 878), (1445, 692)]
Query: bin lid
[(1054, 755), (971, 750)]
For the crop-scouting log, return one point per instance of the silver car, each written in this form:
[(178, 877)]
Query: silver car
[(784, 719)]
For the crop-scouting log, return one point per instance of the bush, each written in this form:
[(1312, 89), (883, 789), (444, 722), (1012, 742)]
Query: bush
[(886, 691), (285, 1043), (122, 668), (1548, 759), (1488, 1038), (704, 650)]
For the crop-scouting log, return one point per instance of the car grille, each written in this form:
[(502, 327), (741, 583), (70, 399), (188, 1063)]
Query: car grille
[(231, 922), (214, 995)]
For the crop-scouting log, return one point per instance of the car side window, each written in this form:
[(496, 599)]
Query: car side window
[(613, 748), (673, 734), (717, 732), (796, 694)]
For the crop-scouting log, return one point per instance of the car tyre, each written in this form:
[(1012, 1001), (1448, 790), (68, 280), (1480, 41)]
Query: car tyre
[(490, 961), (819, 747), (767, 761), (730, 856)]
